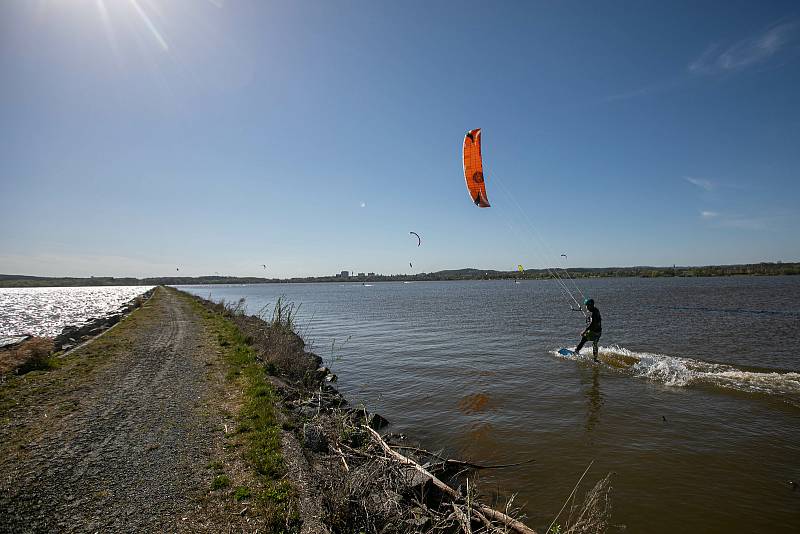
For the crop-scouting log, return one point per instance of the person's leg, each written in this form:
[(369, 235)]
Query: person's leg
[(580, 345), (594, 349)]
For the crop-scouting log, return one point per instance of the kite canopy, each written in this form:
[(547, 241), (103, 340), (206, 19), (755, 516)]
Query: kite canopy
[(520, 268), (419, 239), (473, 168)]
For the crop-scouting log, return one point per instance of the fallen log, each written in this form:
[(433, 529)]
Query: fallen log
[(490, 513)]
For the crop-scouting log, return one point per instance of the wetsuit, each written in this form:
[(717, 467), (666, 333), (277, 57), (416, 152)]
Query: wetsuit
[(594, 329)]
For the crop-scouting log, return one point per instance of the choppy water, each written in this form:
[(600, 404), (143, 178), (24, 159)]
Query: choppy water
[(694, 405), (45, 311)]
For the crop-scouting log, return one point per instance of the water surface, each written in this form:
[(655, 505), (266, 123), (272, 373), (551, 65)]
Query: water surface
[(701, 430), (45, 311)]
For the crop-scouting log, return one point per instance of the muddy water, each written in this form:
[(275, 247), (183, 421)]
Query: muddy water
[(695, 404)]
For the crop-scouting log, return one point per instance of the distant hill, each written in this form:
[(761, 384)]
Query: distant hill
[(750, 269)]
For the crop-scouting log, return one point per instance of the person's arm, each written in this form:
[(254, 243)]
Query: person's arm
[(591, 321)]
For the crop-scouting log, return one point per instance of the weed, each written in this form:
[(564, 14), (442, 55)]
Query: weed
[(220, 481), (242, 493)]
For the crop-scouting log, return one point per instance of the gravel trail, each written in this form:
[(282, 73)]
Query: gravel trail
[(128, 454)]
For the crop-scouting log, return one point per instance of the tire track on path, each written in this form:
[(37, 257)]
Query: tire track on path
[(129, 457)]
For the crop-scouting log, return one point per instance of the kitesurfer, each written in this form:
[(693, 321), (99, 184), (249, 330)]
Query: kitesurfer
[(593, 330)]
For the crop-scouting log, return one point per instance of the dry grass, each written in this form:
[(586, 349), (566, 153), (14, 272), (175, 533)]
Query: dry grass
[(29, 355), (271, 332), (594, 515)]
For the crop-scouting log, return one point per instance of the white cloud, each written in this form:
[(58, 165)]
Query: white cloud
[(363, 204), (708, 185), (709, 214), (716, 59)]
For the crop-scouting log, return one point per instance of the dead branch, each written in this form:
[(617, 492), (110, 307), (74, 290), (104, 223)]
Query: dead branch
[(510, 522), (341, 455), (462, 518), (462, 462)]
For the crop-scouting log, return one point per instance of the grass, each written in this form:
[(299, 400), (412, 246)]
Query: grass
[(52, 375), (31, 355), (220, 482), (242, 493), (258, 433)]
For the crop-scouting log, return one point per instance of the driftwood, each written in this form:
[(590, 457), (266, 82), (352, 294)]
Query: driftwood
[(490, 513), (445, 461)]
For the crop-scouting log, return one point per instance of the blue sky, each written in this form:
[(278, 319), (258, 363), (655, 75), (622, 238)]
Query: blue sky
[(139, 136)]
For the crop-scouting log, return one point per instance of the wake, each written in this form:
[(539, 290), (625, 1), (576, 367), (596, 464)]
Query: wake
[(677, 371)]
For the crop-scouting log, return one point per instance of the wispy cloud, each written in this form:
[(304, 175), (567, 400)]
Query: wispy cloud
[(708, 185), (717, 58), (709, 214)]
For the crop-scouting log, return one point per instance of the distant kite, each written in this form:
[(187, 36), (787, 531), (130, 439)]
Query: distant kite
[(177, 269), (264, 266), (473, 168), (520, 268), (409, 264), (419, 239)]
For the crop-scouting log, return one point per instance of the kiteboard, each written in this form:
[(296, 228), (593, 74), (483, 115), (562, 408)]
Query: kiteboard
[(567, 352)]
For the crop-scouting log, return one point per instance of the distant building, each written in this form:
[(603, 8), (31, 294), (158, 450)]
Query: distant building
[(370, 274), (345, 274), (362, 274)]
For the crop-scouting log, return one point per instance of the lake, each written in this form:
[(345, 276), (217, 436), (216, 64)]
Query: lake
[(45, 311), (701, 430)]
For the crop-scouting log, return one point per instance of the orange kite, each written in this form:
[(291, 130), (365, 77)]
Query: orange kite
[(473, 168)]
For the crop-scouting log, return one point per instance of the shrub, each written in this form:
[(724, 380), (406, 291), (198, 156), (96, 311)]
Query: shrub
[(30, 355)]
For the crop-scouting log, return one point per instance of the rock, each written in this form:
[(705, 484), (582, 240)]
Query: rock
[(411, 478), (331, 378), (376, 422), (314, 439), (10, 341), (373, 420)]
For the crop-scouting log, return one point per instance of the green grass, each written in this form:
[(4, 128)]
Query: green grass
[(220, 482), (242, 493), (259, 429)]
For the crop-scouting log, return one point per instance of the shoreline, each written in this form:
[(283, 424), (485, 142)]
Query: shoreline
[(28, 352), (341, 444), (706, 271), (290, 449)]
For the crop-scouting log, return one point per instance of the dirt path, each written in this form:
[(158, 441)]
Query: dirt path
[(120, 446)]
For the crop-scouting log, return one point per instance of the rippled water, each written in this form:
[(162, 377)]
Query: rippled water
[(45, 311), (694, 405)]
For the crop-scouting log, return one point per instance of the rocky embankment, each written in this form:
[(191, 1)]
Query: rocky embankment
[(72, 336)]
